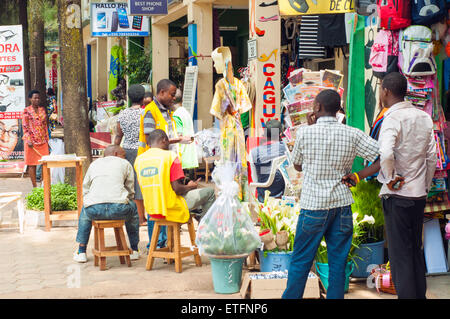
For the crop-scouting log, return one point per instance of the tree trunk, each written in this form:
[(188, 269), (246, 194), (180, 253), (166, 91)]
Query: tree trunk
[(36, 48), (23, 20), (73, 82)]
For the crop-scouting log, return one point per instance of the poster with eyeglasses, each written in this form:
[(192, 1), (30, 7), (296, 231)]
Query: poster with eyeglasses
[(12, 92)]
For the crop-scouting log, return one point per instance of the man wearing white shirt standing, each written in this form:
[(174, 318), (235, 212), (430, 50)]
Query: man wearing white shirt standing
[(408, 162)]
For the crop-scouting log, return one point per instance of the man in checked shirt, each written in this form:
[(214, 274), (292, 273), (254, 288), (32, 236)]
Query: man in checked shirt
[(325, 151)]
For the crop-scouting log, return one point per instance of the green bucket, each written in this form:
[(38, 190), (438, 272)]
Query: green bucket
[(227, 274), (322, 270)]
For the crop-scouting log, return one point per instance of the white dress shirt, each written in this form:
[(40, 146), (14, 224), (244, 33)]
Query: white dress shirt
[(407, 148)]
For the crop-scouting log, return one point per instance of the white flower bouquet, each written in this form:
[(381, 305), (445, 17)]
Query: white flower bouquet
[(278, 218)]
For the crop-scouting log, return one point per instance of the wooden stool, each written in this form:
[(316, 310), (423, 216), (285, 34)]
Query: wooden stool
[(174, 251), (101, 252)]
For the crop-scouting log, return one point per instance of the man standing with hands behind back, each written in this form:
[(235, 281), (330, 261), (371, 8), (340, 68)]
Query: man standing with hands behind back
[(408, 162)]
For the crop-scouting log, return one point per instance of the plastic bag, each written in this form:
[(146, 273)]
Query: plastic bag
[(57, 173), (226, 229)]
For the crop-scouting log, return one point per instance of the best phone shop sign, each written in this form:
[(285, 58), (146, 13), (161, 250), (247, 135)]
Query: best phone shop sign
[(110, 19), (148, 7), (12, 86)]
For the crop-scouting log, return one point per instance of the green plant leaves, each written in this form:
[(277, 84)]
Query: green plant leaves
[(63, 197)]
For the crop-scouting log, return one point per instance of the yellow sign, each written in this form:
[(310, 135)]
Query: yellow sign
[(311, 7)]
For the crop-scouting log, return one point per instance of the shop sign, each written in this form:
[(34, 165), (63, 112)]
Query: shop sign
[(312, 7), (12, 94), (252, 49), (148, 7), (99, 141), (111, 19)]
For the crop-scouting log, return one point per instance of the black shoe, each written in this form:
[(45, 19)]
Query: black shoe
[(268, 4)]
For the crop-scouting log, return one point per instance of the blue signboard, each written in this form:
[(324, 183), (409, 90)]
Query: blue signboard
[(148, 7), (112, 19)]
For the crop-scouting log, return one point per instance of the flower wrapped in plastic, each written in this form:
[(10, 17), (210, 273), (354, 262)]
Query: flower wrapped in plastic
[(227, 228)]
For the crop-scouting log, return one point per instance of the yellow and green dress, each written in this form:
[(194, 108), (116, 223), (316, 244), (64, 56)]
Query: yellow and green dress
[(229, 102)]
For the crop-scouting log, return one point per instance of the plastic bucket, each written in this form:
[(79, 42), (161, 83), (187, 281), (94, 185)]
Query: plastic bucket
[(371, 254), (322, 270), (227, 274), (278, 261)]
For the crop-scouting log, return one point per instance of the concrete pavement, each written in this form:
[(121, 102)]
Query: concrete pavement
[(38, 264)]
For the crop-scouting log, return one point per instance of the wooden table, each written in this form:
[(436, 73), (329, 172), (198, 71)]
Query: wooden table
[(68, 214)]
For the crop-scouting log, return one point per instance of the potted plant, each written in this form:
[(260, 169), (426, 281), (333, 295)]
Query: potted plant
[(63, 197), (278, 219), (321, 259), (367, 207)]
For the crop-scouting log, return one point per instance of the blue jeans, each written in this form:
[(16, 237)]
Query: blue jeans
[(108, 211), (337, 227), (162, 239)]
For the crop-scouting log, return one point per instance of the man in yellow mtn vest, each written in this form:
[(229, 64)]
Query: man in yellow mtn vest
[(158, 115), (161, 177)]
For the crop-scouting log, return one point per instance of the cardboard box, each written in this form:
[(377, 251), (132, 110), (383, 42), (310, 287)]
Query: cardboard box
[(274, 288)]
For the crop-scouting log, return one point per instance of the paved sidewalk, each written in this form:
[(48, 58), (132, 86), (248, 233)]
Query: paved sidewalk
[(38, 264)]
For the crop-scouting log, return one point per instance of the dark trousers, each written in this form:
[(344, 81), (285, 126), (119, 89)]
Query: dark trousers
[(404, 223)]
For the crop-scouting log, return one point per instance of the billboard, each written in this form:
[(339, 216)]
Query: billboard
[(12, 92), (110, 19)]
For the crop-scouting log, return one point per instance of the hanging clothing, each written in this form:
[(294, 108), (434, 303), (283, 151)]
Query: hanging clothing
[(331, 31), (185, 127), (308, 47), (229, 102)]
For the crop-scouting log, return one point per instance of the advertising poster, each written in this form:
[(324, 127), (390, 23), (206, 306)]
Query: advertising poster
[(110, 19), (12, 92), (313, 7)]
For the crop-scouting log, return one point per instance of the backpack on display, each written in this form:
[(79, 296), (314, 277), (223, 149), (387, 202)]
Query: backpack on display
[(394, 14), (384, 53), (427, 12), (417, 51), (365, 7)]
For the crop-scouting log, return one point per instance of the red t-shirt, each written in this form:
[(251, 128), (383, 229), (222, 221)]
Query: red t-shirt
[(176, 172)]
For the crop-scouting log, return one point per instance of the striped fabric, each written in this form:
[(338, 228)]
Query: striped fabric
[(308, 47)]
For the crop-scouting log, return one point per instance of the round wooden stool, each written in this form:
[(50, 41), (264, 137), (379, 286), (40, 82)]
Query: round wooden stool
[(174, 251), (100, 251)]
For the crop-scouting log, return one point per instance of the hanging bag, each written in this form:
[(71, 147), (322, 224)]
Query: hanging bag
[(417, 51), (365, 7), (427, 12), (384, 53), (394, 14)]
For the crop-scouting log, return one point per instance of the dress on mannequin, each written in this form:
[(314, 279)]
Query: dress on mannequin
[(229, 102)]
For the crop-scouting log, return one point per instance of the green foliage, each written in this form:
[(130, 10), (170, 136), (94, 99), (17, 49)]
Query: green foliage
[(137, 66), (63, 197), (368, 203)]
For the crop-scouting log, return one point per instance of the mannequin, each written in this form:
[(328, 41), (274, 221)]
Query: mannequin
[(229, 102)]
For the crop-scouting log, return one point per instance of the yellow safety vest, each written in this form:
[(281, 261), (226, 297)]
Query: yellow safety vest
[(160, 123), (153, 174)]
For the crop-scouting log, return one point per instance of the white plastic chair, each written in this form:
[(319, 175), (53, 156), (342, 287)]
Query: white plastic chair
[(7, 198), (276, 162)]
